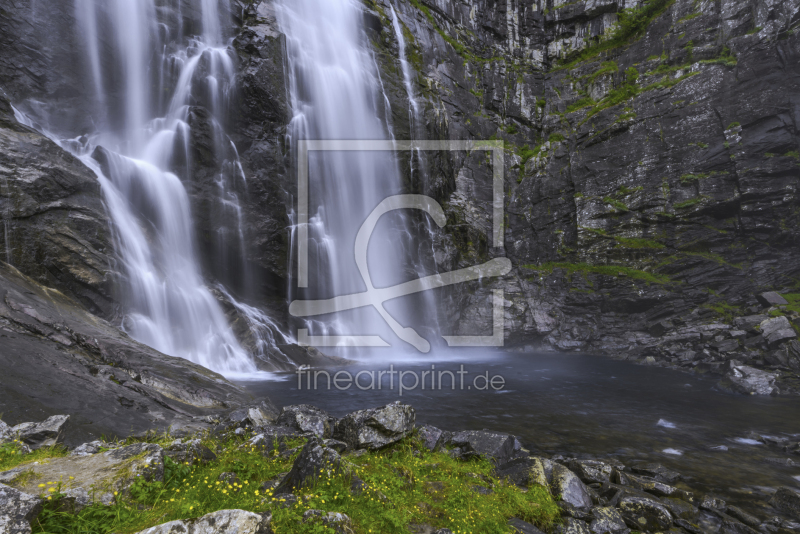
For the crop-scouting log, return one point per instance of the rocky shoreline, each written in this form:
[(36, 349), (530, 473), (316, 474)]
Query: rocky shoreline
[(756, 354), (592, 496)]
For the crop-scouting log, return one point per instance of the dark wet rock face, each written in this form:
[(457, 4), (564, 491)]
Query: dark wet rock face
[(55, 227), (649, 190), (124, 386)]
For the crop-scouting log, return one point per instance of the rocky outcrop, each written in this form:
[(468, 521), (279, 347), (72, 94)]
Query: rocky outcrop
[(37, 435), (55, 228), (123, 386), (92, 478), (314, 461)]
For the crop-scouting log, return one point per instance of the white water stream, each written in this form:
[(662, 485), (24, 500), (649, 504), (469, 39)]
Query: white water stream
[(337, 94)]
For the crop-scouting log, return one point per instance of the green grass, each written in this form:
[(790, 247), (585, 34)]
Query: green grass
[(726, 58), (580, 104), (406, 484), (616, 204), (631, 25), (638, 242), (724, 310), (733, 125), (793, 154), (754, 30), (11, 455), (690, 17), (606, 270), (625, 191), (556, 138), (688, 178), (689, 203)]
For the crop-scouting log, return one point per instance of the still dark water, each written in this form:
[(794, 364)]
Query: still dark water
[(589, 406)]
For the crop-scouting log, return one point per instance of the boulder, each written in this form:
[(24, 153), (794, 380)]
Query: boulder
[(222, 522), (680, 508), (335, 444), (645, 514), (314, 460), (787, 500), (189, 452), (429, 435), (750, 381), (771, 298), (572, 526), (518, 526), (255, 416), (607, 521), (336, 521), (44, 434), (17, 510), (99, 474), (87, 449), (273, 437), (5, 432), (712, 503), (749, 323), (496, 446), (777, 330), (377, 427), (566, 485), (542, 471), (656, 488), (520, 471), (591, 470), (306, 418)]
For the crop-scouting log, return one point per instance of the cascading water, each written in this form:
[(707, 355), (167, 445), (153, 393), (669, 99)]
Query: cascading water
[(152, 85), (169, 306), (336, 94)]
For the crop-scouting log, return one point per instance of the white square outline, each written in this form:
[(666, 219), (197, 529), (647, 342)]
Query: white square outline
[(305, 146)]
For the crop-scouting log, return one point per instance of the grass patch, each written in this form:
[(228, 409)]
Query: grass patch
[(726, 58), (638, 242), (631, 25), (616, 204), (406, 484), (724, 310), (733, 125), (580, 104), (754, 30), (606, 270), (11, 455), (793, 154), (690, 17), (689, 203), (556, 138)]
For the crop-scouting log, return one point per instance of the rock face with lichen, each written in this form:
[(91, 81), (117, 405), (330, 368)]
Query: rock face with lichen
[(652, 159)]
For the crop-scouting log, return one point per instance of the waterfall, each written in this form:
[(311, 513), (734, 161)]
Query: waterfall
[(405, 67), (337, 94), (152, 84)]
